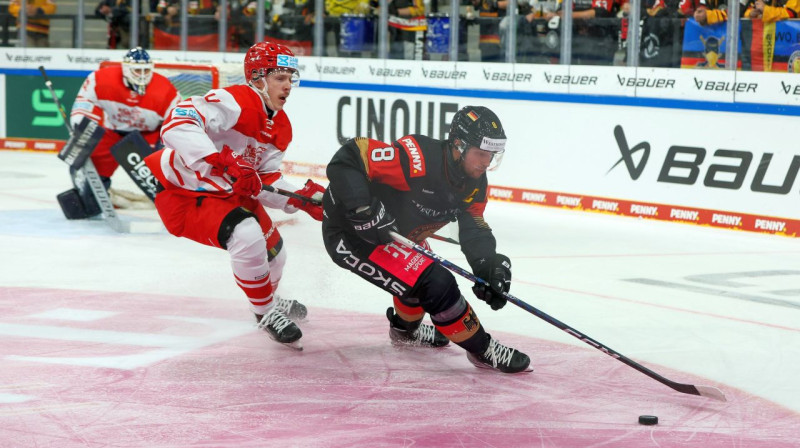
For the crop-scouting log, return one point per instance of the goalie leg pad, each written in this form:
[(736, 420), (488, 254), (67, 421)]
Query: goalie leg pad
[(84, 190), (72, 205)]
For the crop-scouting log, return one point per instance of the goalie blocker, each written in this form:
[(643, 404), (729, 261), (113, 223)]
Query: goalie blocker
[(80, 202)]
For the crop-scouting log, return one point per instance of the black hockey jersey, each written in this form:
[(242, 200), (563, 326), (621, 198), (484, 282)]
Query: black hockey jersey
[(416, 184)]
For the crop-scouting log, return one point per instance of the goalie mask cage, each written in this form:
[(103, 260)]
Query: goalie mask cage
[(195, 79)]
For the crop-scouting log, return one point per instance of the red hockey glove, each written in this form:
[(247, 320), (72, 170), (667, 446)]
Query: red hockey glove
[(245, 178), (310, 190)]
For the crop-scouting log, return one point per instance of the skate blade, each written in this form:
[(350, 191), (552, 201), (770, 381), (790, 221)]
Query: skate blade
[(296, 345), (481, 365), (403, 345)]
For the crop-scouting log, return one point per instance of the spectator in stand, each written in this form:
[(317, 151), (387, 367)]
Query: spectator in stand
[(170, 9), (338, 8), (37, 28), (595, 41), (406, 29), (783, 9), (489, 42), (118, 15)]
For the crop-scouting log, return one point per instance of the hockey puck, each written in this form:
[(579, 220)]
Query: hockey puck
[(648, 420)]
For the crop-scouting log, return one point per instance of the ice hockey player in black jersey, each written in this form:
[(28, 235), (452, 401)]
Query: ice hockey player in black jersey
[(414, 187)]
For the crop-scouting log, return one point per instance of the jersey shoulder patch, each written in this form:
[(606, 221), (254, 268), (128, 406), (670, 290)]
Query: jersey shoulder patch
[(416, 161)]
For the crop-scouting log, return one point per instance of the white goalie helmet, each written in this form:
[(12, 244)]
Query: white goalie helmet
[(137, 69)]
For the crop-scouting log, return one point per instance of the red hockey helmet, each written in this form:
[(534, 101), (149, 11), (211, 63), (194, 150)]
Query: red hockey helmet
[(264, 57)]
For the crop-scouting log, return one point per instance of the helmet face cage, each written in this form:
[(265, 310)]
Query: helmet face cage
[(137, 69), (478, 127), (264, 58)]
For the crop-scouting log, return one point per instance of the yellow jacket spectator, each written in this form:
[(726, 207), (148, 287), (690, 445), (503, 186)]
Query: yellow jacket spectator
[(37, 29), (336, 8), (709, 12)]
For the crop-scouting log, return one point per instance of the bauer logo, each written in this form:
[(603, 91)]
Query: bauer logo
[(581, 80), (508, 76), (444, 74), (27, 58), (790, 89), (725, 86), (653, 83), (725, 168), (86, 59), (380, 72), (335, 70)]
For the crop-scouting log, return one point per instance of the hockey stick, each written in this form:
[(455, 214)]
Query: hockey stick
[(300, 197), (704, 391), (53, 95), (290, 194), (86, 168)]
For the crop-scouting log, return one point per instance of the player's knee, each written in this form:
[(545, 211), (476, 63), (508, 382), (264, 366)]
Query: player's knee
[(229, 224), (276, 264), (246, 242), (437, 290)]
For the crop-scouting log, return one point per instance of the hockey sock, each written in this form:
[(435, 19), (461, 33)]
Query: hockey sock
[(465, 330), (248, 252), (409, 316)]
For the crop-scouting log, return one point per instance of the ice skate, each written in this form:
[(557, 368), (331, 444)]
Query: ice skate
[(291, 308), (281, 329), (422, 336), (499, 357)]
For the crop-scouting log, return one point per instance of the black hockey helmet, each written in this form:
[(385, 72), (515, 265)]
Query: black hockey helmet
[(477, 126)]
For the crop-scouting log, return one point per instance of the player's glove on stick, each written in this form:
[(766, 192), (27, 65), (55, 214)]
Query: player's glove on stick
[(246, 181), (497, 272), (310, 190), (373, 223)]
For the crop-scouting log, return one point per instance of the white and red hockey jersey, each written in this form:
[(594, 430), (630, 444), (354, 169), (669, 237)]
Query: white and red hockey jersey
[(238, 118), (105, 99)]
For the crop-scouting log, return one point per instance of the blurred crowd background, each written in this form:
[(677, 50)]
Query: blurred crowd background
[(669, 33)]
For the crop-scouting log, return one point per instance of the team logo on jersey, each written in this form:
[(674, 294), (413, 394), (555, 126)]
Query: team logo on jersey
[(416, 161), (471, 196), (186, 113)]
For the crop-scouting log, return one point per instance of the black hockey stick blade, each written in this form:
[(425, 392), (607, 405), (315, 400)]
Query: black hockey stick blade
[(703, 391), (130, 153), (290, 194)]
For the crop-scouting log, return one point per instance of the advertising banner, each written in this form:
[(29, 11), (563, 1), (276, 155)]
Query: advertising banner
[(3, 102), (30, 107), (689, 160)]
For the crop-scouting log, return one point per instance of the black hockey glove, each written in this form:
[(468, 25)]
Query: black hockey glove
[(373, 223), (497, 272)]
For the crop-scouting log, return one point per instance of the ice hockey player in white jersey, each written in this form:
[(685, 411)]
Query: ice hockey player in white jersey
[(123, 99), (219, 150)]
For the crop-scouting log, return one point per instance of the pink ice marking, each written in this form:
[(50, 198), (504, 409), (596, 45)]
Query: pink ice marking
[(196, 372)]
